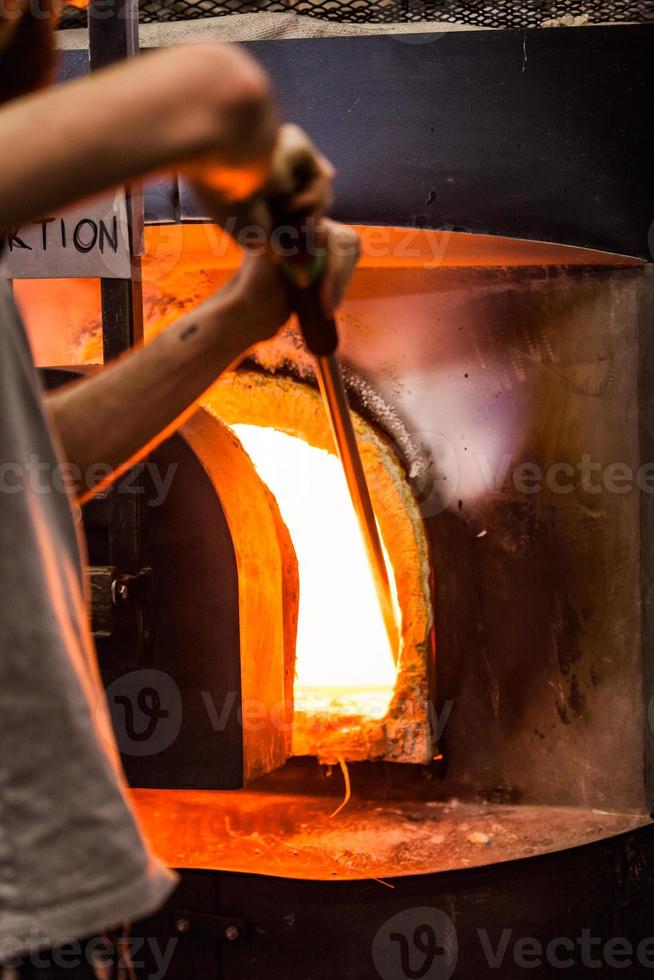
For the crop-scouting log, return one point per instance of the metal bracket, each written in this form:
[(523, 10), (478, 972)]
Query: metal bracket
[(224, 928), (108, 590)]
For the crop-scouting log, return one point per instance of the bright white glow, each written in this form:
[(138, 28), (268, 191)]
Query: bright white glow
[(342, 648)]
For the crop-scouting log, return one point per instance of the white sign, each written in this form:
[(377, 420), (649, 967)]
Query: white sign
[(86, 242)]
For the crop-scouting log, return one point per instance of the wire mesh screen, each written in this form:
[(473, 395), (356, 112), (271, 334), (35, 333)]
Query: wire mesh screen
[(483, 13)]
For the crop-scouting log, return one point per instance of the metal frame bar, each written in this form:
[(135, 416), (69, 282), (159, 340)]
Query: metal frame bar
[(114, 36)]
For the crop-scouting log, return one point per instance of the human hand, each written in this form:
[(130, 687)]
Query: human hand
[(259, 288), (297, 185)]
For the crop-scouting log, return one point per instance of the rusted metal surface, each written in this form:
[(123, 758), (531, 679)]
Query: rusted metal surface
[(542, 600), (297, 837), (538, 594)]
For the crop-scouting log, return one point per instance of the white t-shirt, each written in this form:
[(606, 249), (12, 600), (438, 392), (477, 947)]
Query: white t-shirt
[(73, 862)]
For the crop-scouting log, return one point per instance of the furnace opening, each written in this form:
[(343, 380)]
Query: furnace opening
[(351, 701), (343, 657)]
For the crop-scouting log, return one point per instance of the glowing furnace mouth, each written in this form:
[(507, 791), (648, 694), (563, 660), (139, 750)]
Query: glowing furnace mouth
[(343, 657), (351, 701)]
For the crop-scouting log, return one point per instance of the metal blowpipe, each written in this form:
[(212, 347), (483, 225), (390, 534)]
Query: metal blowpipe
[(321, 337)]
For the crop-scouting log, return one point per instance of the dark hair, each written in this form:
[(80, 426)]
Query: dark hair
[(28, 61)]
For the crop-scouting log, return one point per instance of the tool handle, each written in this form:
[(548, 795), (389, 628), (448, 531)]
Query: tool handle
[(318, 330), (303, 273)]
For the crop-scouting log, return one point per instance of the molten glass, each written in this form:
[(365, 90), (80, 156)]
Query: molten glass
[(344, 660)]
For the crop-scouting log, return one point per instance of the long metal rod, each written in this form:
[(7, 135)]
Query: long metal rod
[(334, 396)]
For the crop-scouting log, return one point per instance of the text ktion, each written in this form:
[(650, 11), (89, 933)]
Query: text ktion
[(81, 235)]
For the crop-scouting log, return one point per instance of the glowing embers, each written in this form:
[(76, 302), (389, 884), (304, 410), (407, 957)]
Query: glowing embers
[(344, 664)]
